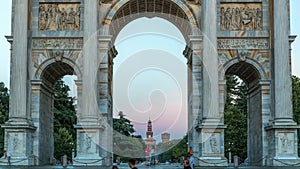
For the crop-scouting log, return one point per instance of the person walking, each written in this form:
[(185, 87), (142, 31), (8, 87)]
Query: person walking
[(8, 156), (131, 164), (187, 163), (192, 163)]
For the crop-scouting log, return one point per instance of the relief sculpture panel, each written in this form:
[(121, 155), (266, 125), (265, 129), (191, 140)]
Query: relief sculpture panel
[(241, 17), (286, 143), (59, 17)]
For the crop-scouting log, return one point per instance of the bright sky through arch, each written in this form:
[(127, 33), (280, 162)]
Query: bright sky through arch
[(150, 76)]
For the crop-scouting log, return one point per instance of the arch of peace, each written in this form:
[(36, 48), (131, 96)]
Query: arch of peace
[(247, 38)]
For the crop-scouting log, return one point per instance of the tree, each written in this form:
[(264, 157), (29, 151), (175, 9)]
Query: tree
[(64, 143), (64, 109), (235, 117), (4, 109), (123, 125), (296, 104), (172, 150), (236, 132), (125, 144), (64, 120)]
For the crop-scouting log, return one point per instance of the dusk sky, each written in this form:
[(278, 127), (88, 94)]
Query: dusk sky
[(149, 72)]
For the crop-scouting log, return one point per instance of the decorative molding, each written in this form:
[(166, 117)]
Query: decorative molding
[(57, 43), (245, 43)]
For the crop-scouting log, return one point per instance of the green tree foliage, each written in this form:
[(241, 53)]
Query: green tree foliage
[(172, 151), (125, 144), (64, 143), (236, 132), (64, 119), (4, 109), (296, 104), (235, 117), (123, 125), (64, 109)]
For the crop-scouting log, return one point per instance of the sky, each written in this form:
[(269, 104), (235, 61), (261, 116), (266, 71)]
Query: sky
[(149, 71), (150, 77)]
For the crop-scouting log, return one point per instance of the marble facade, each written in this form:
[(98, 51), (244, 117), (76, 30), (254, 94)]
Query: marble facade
[(223, 37)]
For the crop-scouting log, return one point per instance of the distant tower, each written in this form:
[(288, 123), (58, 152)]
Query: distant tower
[(165, 137), (149, 133), (150, 142)]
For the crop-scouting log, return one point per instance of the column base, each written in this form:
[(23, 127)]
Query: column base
[(212, 144), (18, 142), (283, 144), (285, 162), (212, 162), (88, 161), (92, 144)]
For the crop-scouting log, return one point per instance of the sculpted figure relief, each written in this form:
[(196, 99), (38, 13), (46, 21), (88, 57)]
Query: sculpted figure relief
[(240, 17), (59, 17)]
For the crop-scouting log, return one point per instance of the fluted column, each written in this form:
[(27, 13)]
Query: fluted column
[(210, 61), (19, 127), (90, 65), (18, 85), (282, 68)]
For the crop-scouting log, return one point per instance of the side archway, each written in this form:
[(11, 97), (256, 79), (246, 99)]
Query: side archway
[(42, 104), (258, 104)]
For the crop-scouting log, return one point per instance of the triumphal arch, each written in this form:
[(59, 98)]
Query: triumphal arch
[(247, 38)]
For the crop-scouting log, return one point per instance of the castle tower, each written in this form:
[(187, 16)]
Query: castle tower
[(165, 137), (149, 133)]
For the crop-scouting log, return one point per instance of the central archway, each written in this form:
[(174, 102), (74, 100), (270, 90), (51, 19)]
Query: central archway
[(176, 12)]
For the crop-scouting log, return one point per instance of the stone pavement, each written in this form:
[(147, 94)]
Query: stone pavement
[(124, 166)]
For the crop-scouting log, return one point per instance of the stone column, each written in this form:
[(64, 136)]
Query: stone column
[(210, 61), (89, 125), (18, 130), (90, 65), (282, 85), (18, 85), (282, 133), (211, 127), (106, 53), (193, 53)]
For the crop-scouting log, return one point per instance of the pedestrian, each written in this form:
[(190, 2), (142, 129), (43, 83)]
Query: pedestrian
[(114, 167), (187, 163), (8, 156), (131, 164), (192, 163)]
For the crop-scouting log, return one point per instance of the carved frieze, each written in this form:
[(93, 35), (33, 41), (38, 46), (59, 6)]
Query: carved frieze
[(58, 48), (59, 17), (57, 43), (225, 44), (241, 16)]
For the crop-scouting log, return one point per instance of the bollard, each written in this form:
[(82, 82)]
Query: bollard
[(73, 154), (236, 161), (32, 160), (118, 160), (65, 161), (230, 160)]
